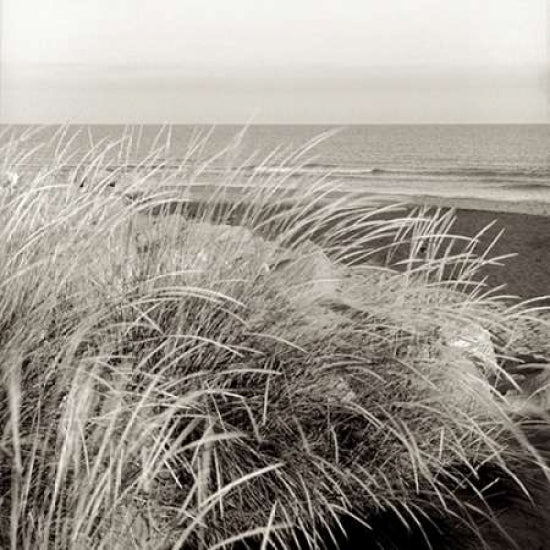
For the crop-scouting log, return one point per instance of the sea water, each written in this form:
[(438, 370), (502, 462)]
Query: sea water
[(505, 163)]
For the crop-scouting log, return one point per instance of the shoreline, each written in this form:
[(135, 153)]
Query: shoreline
[(526, 208), (200, 191)]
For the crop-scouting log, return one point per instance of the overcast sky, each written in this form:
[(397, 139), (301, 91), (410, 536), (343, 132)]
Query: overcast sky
[(312, 61)]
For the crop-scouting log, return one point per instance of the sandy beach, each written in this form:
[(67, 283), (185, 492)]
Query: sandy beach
[(528, 236), (526, 226)]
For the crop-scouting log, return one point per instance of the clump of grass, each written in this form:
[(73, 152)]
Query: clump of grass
[(189, 373)]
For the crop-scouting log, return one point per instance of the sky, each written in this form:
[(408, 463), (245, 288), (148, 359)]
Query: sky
[(275, 61)]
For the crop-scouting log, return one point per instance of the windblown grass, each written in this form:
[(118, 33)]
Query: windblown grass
[(185, 373)]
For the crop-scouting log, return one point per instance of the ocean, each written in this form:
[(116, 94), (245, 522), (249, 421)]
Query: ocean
[(505, 163)]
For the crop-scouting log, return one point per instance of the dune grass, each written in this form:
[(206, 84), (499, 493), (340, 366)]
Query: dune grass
[(184, 373)]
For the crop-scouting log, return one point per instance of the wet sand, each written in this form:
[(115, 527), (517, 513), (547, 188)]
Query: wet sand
[(526, 274), (528, 236), (526, 226)]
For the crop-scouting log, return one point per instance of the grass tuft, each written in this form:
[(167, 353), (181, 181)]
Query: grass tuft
[(194, 365)]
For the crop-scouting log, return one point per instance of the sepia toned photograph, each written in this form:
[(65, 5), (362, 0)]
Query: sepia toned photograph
[(274, 275)]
